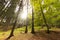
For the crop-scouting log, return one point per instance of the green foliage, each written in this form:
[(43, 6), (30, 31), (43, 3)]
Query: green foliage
[(52, 13)]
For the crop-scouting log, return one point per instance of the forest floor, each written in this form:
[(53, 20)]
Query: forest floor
[(39, 35)]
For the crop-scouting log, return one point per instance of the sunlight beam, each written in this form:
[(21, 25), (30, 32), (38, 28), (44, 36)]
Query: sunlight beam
[(24, 13), (17, 8)]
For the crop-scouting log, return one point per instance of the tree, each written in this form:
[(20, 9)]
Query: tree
[(44, 18), (26, 30), (38, 7), (11, 34), (32, 31)]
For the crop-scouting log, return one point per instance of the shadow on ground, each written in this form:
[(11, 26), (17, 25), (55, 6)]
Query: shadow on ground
[(40, 35)]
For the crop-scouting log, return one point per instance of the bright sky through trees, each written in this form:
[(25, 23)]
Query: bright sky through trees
[(42, 2), (17, 8), (23, 14), (26, 10)]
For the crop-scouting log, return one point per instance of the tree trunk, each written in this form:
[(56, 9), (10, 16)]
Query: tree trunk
[(11, 34), (32, 31), (26, 30), (44, 20)]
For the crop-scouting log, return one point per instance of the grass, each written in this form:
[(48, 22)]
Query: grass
[(37, 28), (21, 30)]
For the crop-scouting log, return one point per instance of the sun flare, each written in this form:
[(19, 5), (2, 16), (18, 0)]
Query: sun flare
[(24, 12), (24, 15)]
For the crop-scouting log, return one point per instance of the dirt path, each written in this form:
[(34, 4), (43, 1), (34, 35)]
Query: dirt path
[(42, 35)]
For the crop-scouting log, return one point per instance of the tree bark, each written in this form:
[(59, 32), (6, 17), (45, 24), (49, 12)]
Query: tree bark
[(44, 19), (26, 30), (32, 31), (12, 31), (11, 34)]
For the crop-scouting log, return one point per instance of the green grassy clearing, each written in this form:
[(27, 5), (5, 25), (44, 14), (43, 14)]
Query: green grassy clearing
[(22, 30)]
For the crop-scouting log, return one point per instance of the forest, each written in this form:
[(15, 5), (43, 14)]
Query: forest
[(29, 19)]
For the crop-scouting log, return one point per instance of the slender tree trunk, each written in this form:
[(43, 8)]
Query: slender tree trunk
[(32, 31), (26, 29), (11, 34), (44, 20), (12, 31)]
